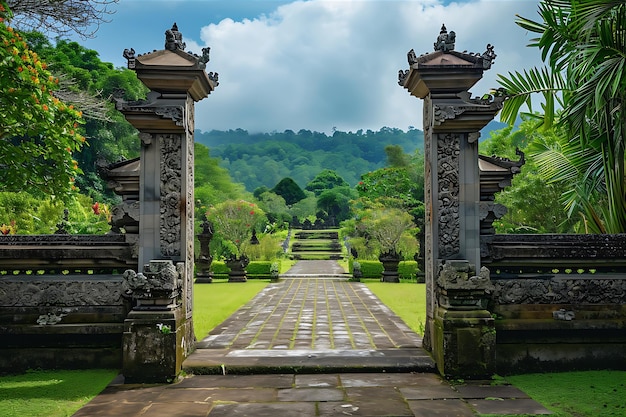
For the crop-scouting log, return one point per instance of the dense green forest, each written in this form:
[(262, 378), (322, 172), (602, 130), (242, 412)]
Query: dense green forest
[(263, 159)]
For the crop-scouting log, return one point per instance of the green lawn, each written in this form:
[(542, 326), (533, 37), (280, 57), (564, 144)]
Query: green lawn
[(213, 303), (407, 300), (50, 393)]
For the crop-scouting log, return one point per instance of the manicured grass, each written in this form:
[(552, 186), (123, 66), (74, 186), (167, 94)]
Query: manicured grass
[(213, 303), (406, 299), (577, 394), (50, 393)]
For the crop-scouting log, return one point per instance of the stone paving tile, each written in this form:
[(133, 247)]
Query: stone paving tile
[(443, 408), (159, 409), (245, 395), (389, 380), (489, 391), (438, 392), (378, 401), (295, 409), (509, 406), (235, 381), (317, 381), (310, 394), (112, 409)]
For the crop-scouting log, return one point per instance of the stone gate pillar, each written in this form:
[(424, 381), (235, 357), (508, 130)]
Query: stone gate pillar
[(459, 331), (159, 331)]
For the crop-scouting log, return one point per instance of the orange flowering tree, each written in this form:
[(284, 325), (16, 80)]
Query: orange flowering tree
[(234, 221), (38, 132)]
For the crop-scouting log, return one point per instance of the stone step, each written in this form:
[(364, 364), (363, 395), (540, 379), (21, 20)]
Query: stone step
[(306, 361)]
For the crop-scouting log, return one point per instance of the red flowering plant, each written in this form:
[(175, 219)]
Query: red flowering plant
[(234, 222), (38, 132)]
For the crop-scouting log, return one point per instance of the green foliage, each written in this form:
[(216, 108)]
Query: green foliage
[(533, 204), (213, 183), (407, 270), (234, 221), (582, 43), (335, 204), (268, 248), (38, 133), (259, 268), (371, 269), (386, 226), (324, 181), (29, 215), (289, 190), (264, 159)]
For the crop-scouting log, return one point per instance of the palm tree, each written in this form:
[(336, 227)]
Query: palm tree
[(584, 45)]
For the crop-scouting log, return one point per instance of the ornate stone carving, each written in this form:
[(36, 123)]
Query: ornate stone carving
[(443, 113), (171, 186), (445, 41), (561, 290), (189, 201), (448, 151), (63, 292), (171, 112), (129, 54), (160, 280), (411, 57), (125, 216), (488, 56), (402, 76), (214, 76), (174, 39), (458, 285)]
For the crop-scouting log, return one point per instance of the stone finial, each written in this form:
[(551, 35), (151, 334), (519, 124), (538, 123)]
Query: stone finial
[(174, 39), (445, 40), (129, 54)]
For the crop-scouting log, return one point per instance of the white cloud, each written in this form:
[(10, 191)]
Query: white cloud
[(321, 64)]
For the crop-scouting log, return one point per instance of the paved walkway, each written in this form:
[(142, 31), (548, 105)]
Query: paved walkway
[(310, 347)]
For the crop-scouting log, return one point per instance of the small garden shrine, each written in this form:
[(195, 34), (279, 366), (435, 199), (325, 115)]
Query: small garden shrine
[(495, 303)]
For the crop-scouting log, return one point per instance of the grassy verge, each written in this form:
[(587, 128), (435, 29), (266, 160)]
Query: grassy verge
[(214, 302), (576, 394), (407, 300), (50, 393)]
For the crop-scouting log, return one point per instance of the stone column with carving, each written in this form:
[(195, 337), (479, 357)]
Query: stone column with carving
[(452, 121), (165, 120)]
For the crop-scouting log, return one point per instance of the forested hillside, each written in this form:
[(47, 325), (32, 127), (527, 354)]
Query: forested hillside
[(263, 159)]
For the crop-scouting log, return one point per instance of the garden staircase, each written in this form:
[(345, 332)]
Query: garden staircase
[(316, 245)]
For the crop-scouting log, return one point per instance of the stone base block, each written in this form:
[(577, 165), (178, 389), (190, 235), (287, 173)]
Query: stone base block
[(464, 343)]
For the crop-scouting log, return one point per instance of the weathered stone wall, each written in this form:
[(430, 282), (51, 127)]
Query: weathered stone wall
[(559, 301), (61, 304)]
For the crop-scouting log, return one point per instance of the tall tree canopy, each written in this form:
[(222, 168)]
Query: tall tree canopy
[(39, 134), (289, 190), (325, 180), (583, 44)]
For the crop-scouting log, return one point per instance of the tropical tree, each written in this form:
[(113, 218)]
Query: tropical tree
[(325, 180), (583, 44), (289, 190), (234, 222), (38, 132)]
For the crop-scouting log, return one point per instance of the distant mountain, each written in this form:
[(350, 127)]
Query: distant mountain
[(263, 159), (491, 126)]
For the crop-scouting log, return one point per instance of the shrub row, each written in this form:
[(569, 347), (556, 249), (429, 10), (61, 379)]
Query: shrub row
[(374, 269)]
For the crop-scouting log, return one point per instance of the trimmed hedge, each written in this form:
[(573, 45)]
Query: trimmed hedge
[(255, 269), (374, 269)]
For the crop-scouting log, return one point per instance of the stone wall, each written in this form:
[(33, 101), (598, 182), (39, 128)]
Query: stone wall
[(559, 301), (61, 301)]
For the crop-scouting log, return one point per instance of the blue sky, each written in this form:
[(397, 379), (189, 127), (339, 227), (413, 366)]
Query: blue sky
[(316, 64)]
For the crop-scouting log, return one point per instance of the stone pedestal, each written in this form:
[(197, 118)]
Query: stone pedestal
[(464, 343), (390, 268), (154, 343)]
